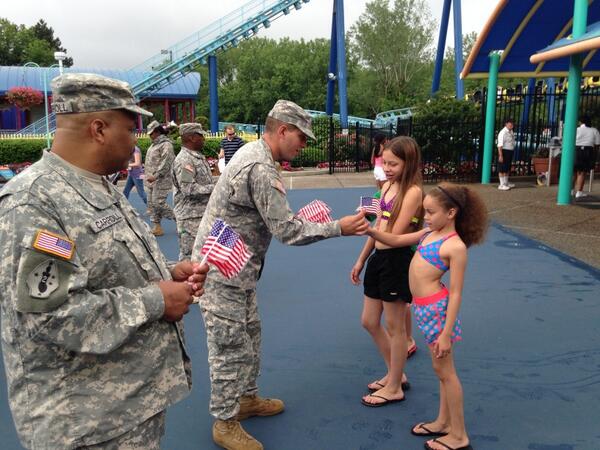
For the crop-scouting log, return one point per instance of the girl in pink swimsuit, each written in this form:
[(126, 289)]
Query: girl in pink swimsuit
[(457, 218), (379, 141)]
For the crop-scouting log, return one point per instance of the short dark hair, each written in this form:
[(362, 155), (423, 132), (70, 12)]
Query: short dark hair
[(510, 120), (586, 120)]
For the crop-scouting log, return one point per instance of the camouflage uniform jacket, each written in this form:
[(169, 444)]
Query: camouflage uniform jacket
[(193, 182), (159, 159), (86, 353), (250, 197)]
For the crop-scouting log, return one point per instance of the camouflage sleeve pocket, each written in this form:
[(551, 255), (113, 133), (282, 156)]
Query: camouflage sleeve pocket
[(186, 176), (42, 282)]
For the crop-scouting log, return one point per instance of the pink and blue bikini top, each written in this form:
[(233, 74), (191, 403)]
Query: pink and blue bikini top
[(431, 252)]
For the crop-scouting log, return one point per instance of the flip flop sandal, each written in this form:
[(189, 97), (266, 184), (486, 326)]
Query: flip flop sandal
[(428, 432), (386, 402), (466, 447), (411, 350), (405, 386)]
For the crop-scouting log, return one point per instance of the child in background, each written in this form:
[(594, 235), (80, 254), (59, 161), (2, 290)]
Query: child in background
[(386, 289), (457, 218), (135, 175), (379, 141)]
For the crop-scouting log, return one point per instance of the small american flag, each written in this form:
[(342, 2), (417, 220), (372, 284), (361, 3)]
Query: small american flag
[(54, 244), (316, 211), (370, 205), (225, 249)]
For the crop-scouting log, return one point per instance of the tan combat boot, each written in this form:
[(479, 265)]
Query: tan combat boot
[(157, 230), (253, 405), (230, 435)]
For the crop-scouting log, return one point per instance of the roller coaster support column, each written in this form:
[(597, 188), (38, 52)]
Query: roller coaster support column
[(550, 102), (458, 55), (331, 75), (439, 59), (525, 117), (213, 94), (341, 59), (573, 95), (490, 118)]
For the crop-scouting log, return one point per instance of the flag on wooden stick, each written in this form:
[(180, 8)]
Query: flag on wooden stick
[(316, 211), (370, 205), (225, 249)]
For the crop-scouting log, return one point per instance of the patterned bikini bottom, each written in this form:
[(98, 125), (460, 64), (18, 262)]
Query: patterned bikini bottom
[(430, 314)]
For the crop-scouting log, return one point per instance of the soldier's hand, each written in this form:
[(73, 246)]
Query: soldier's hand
[(177, 296), (150, 178), (354, 225), (192, 273)]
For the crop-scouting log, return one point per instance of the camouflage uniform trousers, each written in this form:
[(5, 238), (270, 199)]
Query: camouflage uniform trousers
[(145, 436), (158, 207), (233, 336), (187, 229)]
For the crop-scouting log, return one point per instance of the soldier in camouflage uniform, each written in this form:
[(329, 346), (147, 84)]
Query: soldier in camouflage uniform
[(92, 343), (250, 197), (158, 185), (192, 185)]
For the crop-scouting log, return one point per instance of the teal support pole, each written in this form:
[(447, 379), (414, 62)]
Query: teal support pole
[(46, 110), (490, 118), (574, 93)]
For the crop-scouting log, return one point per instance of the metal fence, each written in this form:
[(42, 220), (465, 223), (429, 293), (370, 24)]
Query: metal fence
[(451, 150)]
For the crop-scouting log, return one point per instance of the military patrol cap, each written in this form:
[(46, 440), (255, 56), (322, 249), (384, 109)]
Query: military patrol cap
[(87, 92), (152, 126), (190, 128), (288, 112)]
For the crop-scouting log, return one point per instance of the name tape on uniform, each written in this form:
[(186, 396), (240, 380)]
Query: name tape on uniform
[(104, 222)]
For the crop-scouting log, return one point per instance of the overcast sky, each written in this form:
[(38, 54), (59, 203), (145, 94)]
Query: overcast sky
[(118, 34)]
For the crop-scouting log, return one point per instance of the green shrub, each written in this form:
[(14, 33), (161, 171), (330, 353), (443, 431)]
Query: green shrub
[(30, 150), (21, 150)]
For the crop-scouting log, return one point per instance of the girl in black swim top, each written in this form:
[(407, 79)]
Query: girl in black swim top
[(386, 290)]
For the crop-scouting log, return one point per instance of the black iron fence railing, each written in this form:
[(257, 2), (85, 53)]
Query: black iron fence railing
[(451, 150)]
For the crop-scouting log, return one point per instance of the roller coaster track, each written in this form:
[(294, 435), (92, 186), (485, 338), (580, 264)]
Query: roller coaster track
[(178, 60)]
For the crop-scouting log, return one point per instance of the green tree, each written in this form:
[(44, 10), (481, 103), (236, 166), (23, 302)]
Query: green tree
[(260, 71), (43, 32), (19, 44), (13, 41), (394, 41)]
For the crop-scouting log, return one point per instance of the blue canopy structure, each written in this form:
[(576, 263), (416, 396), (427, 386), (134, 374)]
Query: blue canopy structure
[(588, 43), (520, 28), (11, 76)]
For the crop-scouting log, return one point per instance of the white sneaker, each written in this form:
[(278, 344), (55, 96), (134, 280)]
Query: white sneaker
[(510, 185), (580, 194), (503, 187)]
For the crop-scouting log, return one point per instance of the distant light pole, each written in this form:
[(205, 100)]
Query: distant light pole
[(43, 76), (60, 57)]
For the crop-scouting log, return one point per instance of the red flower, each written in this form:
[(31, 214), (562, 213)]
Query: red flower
[(24, 97)]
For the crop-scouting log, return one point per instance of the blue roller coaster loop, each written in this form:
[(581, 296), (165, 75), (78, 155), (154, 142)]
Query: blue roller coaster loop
[(175, 61), (386, 118), (351, 119)]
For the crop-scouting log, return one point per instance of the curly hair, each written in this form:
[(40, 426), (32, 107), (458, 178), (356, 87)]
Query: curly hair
[(472, 216)]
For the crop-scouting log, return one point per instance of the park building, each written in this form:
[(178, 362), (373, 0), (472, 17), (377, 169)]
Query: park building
[(175, 102)]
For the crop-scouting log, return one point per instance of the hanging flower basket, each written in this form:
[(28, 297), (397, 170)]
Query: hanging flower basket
[(24, 97)]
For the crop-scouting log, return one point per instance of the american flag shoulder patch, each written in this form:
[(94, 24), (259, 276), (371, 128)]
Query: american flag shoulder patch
[(54, 244)]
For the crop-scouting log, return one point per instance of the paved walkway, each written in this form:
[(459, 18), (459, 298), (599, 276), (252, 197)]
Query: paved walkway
[(528, 209)]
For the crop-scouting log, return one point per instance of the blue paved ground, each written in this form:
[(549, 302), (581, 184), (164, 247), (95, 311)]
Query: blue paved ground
[(529, 362)]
